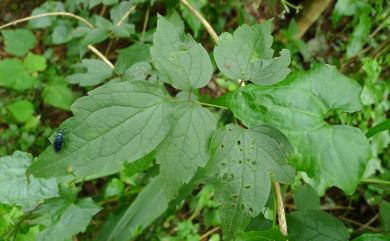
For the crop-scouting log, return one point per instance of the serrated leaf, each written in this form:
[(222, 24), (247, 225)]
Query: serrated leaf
[(65, 219), (21, 110), (266, 235), (244, 160), (14, 75), (46, 7), (247, 55), (315, 225), (96, 72), (305, 197), (116, 123), (16, 188), (332, 155), (372, 237), (18, 42), (131, 55), (34, 63), (186, 146), (179, 60), (384, 210), (58, 94)]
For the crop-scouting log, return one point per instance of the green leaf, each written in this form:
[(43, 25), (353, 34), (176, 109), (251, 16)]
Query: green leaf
[(383, 126), (385, 215), (46, 7), (95, 36), (16, 188), (332, 155), (116, 123), (127, 57), (247, 55), (305, 197), (62, 34), (14, 75), (64, 219), (110, 2), (58, 94), (192, 21), (147, 207), (179, 60), (139, 71), (34, 63), (315, 225), (18, 42), (21, 110), (267, 235), (244, 160), (115, 187), (359, 35), (96, 72), (186, 146), (372, 237)]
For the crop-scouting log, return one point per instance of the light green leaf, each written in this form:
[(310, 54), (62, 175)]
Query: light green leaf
[(115, 123), (115, 187), (333, 155), (131, 55), (266, 235), (62, 34), (95, 36), (16, 188), (186, 146), (247, 55), (96, 72), (179, 60), (58, 94), (372, 237), (65, 219), (359, 35), (139, 71), (118, 11), (147, 207), (110, 2), (46, 7), (385, 215), (21, 110), (315, 225), (192, 21), (244, 161), (18, 42), (305, 197), (34, 63), (14, 75)]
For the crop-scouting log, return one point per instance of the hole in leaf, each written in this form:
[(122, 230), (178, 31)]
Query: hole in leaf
[(242, 206), (240, 161), (222, 146), (234, 196), (222, 163), (238, 142), (247, 186), (251, 210), (253, 163)]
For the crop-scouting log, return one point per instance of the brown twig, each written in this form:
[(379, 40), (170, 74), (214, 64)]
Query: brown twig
[(359, 224), (280, 208), (208, 233)]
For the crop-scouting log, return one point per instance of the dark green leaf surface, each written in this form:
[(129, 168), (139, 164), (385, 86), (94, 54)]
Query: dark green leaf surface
[(373, 237), (244, 161), (315, 225), (115, 123), (332, 155), (247, 55), (62, 219), (131, 55), (384, 210), (179, 60), (96, 72), (383, 126), (305, 197), (18, 189), (186, 146), (18, 42)]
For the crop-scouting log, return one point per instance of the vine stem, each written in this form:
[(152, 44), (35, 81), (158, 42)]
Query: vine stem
[(204, 22), (280, 208), (375, 181), (101, 56), (123, 18), (83, 20)]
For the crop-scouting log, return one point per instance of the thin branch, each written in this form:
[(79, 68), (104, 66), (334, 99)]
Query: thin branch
[(208, 233), (145, 23), (66, 14), (280, 208), (201, 19), (359, 224), (101, 56), (123, 18), (375, 181), (363, 227)]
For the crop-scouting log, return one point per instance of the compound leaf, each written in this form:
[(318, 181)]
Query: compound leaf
[(96, 72), (179, 60), (333, 155), (16, 188), (315, 225), (186, 146), (244, 160), (247, 55), (115, 123), (63, 219), (18, 42)]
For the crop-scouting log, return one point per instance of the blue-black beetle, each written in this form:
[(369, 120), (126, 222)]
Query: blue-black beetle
[(59, 139)]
